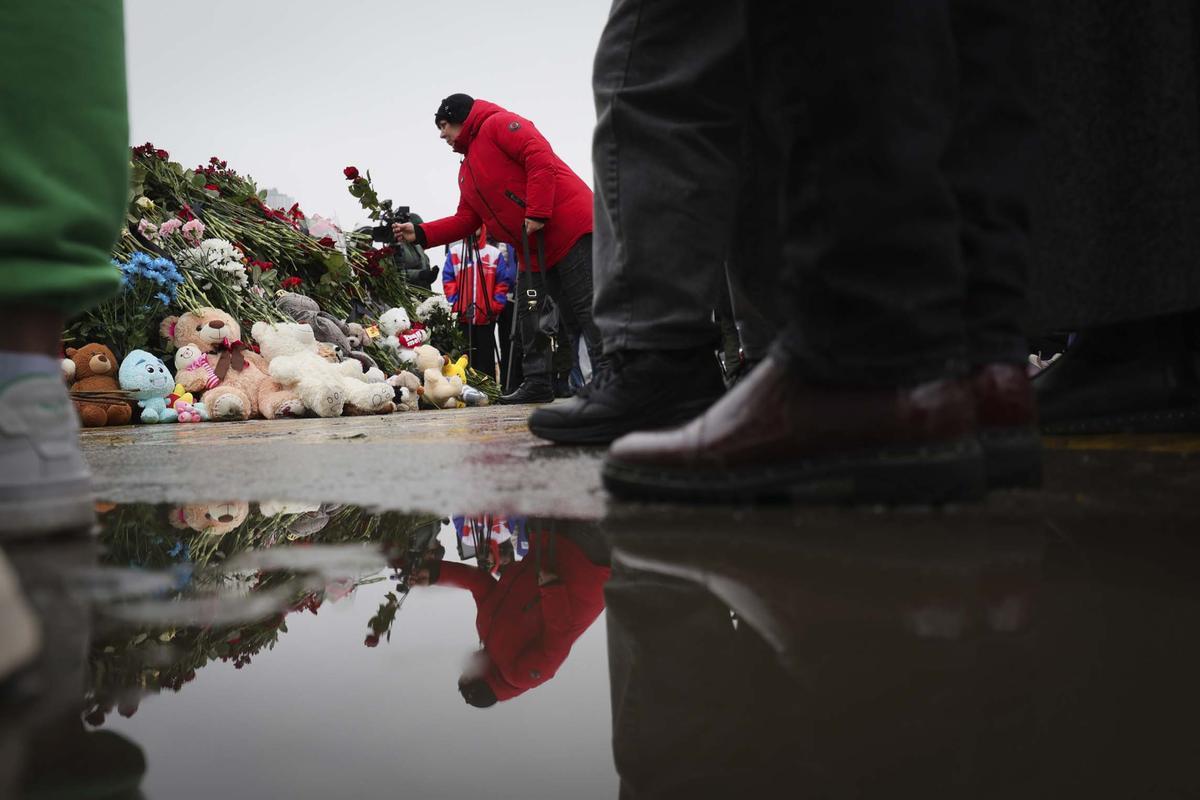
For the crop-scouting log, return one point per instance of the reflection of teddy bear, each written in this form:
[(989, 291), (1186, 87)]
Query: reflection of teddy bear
[(94, 368), (148, 379), (244, 389), (327, 388), (408, 390), (217, 519), (401, 334)]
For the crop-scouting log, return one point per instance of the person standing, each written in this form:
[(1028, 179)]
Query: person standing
[(1116, 245), (475, 279), (906, 131), (511, 180)]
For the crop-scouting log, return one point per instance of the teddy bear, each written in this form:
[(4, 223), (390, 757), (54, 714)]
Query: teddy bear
[(348, 337), (408, 390), (147, 378), (190, 357), (94, 369), (441, 391), (429, 357), (216, 519), (401, 335), (244, 388), (327, 389)]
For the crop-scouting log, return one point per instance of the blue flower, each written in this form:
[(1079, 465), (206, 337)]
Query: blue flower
[(162, 298)]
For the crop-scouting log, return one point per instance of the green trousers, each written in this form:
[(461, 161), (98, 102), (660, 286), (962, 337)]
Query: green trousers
[(64, 158)]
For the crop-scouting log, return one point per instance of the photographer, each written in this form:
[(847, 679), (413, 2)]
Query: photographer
[(511, 180)]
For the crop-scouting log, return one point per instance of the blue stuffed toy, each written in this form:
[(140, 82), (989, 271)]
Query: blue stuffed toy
[(148, 379)]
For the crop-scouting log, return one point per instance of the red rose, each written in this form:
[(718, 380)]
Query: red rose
[(263, 265), (212, 187), (290, 283), (294, 212), (325, 241), (350, 172), (186, 214), (372, 640), (162, 154)]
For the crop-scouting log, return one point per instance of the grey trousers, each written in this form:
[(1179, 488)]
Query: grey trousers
[(667, 169)]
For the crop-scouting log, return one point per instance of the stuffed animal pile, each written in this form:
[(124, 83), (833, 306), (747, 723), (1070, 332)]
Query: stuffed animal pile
[(314, 366)]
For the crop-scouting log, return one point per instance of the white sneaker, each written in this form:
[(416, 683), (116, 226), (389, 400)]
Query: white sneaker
[(45, 485), (21, 637)]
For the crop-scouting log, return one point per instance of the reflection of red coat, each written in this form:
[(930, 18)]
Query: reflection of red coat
[(509, 172), (528, 630)]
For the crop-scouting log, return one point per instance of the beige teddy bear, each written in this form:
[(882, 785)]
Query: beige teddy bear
[(327, 388), (244, 388), (216, 519), (443, 392)]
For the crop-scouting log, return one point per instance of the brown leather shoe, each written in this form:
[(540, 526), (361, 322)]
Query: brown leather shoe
[(1008, 425), (773, 436)]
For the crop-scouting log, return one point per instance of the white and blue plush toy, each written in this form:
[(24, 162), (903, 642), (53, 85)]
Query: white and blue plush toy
[(149, 380)]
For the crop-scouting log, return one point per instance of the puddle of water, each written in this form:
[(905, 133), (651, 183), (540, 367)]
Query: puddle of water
[(301, 648), (284, 649)]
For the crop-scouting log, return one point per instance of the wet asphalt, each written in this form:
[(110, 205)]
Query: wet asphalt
[(246, 621)]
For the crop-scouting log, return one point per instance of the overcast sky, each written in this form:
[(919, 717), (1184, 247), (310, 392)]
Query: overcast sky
[(291, 93)]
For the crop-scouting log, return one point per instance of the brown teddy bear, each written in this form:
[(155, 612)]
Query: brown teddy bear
[(216, 519), (245, 389), (95, 370)]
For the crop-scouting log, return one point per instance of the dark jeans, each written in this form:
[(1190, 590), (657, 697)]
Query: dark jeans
[(481, 347), (904, 132), (569, 284)]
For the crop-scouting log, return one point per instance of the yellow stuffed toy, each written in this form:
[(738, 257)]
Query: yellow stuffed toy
[(456, 369)]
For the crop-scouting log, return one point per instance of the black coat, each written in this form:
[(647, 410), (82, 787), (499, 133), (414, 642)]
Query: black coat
[(1117, 197)]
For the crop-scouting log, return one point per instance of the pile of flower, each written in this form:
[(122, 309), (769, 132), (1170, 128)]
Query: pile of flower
[(206, 237)]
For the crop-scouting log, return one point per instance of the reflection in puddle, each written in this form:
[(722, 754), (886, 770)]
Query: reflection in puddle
[(182, 587)]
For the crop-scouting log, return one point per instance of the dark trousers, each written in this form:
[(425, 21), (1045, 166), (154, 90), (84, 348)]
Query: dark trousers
[(481, 347), (904, 135), (510, 357), (569, 284)]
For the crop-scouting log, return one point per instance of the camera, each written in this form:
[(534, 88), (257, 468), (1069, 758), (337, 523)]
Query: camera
[(389, 217)]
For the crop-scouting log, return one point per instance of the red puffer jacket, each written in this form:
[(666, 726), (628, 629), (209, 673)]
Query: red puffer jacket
[(509, 172), (527, 630)]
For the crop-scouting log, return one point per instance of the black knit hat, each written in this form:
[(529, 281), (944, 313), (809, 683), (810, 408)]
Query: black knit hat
[(454, 109)]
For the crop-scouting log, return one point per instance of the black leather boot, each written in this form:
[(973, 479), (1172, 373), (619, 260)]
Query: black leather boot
[(638, 390), (1140, 377), (531, 390)]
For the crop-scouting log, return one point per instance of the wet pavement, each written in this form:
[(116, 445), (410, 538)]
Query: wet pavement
[(252, 620)]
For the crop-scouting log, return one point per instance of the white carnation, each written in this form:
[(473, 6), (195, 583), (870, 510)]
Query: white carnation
[(221, 256), (431, 306)]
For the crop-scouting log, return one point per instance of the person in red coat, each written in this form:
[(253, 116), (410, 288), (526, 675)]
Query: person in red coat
[(528, 619), (511, 180)]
